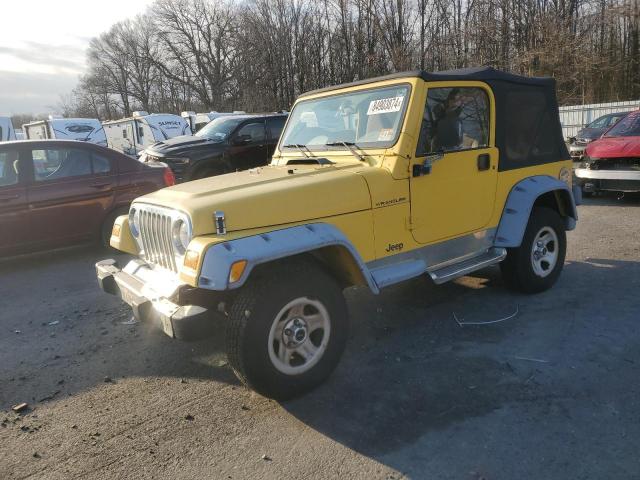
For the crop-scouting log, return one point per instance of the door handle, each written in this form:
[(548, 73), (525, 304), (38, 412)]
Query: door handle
[(7, 198), (100, 185), (484, 162)]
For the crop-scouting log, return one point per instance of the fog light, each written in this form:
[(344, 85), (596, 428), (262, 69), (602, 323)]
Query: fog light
[(237, 269), (191, 259), (115, 231)]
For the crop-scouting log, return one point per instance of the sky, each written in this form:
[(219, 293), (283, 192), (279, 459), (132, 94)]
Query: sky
[(43, 45)]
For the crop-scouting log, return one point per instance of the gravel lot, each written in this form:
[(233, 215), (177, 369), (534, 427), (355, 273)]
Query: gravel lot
[(553, 393)]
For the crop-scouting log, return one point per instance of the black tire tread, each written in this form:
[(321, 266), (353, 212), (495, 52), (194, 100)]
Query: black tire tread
[(516, 268), (248, 299)]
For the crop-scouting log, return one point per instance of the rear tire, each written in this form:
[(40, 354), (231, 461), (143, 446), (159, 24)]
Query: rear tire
[(536, 264), (287, 329)]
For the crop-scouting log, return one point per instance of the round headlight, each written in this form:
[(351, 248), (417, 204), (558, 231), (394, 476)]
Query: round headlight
[(565, 175), (133, 222), (181, 236)]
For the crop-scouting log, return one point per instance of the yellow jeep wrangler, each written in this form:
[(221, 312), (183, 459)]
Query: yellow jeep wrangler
[(372, 183)]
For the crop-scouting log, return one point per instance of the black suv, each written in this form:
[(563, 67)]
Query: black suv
[(226, 144)]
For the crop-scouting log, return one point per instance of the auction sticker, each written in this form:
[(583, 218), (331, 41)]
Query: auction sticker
[(385, 105), (385, 134)]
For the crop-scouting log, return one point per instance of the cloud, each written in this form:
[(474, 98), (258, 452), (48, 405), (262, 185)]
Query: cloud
[(43, 57), (22, 92)]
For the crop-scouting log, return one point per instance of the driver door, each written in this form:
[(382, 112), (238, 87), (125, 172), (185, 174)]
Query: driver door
[(249, 146), (454, 192)]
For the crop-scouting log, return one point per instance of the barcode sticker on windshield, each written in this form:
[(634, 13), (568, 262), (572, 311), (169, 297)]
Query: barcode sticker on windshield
[(385, 105)]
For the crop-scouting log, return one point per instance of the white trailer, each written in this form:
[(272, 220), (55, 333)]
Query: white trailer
[(198, 120), (83, 129), (6, 129), (132, 135)]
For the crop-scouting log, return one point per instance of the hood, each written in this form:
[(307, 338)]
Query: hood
[(184, 144), (268, 196), (590, 133), (610, 147)]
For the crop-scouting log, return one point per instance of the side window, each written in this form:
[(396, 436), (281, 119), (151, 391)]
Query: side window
[(454, 119), (8, 167), (56, 163), (253, 131), (1, 134), (613, 121), (529, 137), (275, 126), (100, 164)]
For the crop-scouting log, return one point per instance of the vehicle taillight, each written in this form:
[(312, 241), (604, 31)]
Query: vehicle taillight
[(169, 177)]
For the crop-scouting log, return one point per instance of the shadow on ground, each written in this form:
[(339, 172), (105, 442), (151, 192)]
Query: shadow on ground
[(409, 369), (412, 369)]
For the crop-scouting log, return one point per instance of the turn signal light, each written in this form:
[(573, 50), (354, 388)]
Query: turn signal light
[(237, 269), (115, 231), (191, 259)]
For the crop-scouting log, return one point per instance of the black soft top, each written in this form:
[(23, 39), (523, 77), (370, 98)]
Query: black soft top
[(483, 74), (528, 130)]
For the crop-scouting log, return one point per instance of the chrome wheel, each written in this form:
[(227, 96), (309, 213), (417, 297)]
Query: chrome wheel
[(299, 336), (544, 251)]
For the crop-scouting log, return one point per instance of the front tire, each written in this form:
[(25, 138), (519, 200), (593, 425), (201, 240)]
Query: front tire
[(536, 264), (287, 329)]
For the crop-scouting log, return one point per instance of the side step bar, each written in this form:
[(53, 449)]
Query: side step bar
[(450, 272)]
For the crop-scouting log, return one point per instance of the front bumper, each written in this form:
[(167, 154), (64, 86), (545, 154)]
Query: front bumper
[(613, 180), (577, 152), (184, 322)]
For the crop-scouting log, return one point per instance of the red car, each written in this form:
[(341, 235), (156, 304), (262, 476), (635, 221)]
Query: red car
[(55, 193), (613, 161)]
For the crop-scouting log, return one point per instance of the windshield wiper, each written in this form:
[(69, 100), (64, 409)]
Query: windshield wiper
[(302, 147), (350, 145)]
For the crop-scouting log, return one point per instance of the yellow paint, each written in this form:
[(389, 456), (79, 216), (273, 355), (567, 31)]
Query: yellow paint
[(376, 203), (455, 198), (124, 241)]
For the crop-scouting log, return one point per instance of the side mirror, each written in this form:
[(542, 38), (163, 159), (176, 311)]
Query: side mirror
[(425, 167), (242, 139)]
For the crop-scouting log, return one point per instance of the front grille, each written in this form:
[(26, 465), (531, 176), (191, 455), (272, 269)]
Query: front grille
[(155, 232), (619, 185), (624, 163)]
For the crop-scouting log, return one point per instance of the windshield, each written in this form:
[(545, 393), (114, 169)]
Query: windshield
[(629, 126), (219, 129), (605, 121), (367, 118)]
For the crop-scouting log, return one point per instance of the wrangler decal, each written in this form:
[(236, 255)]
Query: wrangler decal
[(393, 201)]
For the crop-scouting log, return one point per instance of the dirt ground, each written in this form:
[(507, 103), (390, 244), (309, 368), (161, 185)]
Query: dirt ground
[(553, 393)]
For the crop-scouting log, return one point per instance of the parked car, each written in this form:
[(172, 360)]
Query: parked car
[(591, 132), (373, 183), (226, 144), (55, 193), (613, 161)]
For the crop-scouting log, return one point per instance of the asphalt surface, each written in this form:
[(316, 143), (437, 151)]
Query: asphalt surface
[(552, 393)]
